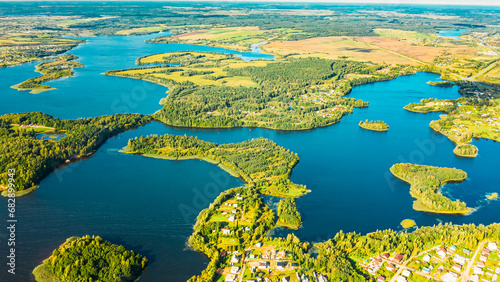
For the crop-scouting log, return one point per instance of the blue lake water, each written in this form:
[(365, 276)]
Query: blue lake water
[(150, 205), (451, 33)]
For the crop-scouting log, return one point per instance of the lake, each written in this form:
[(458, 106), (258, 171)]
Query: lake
[(451, 33), (150, 205)]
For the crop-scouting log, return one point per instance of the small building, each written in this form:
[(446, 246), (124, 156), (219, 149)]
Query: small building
[(497, 271), (486, 252), (380, 278), (474, 278), (235, 270), (453, 248), (235, 205), (426, 258), (285, 279), (264, 264), (230, 278), (460, 259), (467, 252), (294, 264), (406, 273), (398, 258), (457, 267), (281, 254), (441, 252), (480, 264), (232, 218), (226, 231), (235, 259), (483, 258), (390, 267), (492, 246), (478, 270), (322, 278), (450, 277), (385, 256), (401, 279), (258, 245), (280, 265), (426, 270)]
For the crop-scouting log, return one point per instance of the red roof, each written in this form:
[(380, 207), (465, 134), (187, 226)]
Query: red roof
[(398, 257)]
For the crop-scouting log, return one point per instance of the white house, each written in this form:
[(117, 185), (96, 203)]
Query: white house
[(426, 258)]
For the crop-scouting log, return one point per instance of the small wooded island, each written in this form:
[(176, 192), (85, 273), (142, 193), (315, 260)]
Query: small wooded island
[(374, 125), (445, 83), (261, 163), (466, 150), (425, 182), (90, 259), (59, 67)]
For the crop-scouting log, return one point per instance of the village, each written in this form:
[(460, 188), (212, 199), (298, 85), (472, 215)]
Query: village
[(439, 263)]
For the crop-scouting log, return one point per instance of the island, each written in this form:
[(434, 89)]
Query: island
[(213, 90), (408, 223), (288, 215), (32, 159), (441, 83), (425, 182), (261, 163), (466, 150), (90, 259), (466, 118), (374, 125), (59, 67), (492, 196)]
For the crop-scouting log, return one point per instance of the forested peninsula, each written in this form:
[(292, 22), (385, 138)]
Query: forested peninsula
[(211, 90), (33, 159), (261, 163), (425, 183)]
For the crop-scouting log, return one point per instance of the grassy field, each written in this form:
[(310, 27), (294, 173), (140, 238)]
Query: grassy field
[(400, 33), (333, 48), (141, 30)]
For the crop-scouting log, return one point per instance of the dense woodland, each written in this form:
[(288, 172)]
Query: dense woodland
[(425, 182), (91, 259), (260, 162), (33, 159), (466, 150), (374, 125), (288, 215), (276, 103)]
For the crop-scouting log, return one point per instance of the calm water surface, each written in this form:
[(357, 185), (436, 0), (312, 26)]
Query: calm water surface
[(451, 33), (150, 205)]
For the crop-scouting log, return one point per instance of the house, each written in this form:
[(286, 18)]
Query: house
[(406, 273), (230, 278), (492, 246), (280, 265), (232, 218), (453, 248), (322, 278), (426, 270), (401, 279), (460, 259), (285, 279), (263, 264), (235, 270), (235, 259), (474, 278), (426, 258), (486, 252), (390, 267), (226, 231), (478, 270), (258, 245), (398, 258), (235, 205), (483, 258), (294, 264), (380, 279), (234, 211), (442, 253), (497, 271), (494, 278), (467, 252), (281, 255), (239, 198), (457, 267), (385, 256), (450, 277)]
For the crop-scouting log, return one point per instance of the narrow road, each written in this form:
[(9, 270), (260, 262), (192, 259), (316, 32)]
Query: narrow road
[(483, 71), (465, 274)]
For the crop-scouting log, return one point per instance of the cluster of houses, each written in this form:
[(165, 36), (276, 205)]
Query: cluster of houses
[(483, 273), (376, 263)]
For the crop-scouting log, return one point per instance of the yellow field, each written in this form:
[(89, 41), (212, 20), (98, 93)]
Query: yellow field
[(334, 47), (491, 76)]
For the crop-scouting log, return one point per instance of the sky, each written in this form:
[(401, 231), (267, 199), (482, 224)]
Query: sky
[(438, 2)]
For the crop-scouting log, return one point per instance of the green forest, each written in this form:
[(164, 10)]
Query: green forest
[(288, 215), (90, 259), (33, 159), (260, 162), (291, 94), (425, 182), (465, 150)]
